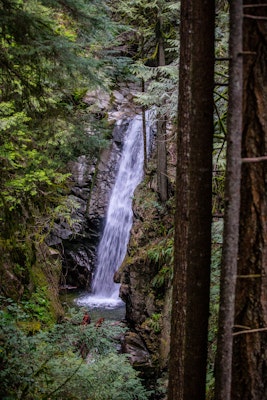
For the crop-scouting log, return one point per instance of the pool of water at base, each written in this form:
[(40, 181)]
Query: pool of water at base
[(114, 313)]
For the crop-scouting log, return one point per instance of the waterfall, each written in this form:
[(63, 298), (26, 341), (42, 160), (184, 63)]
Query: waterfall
[(113, 244)]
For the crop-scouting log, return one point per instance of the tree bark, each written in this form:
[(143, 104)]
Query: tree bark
[(144, 130), (190, 301), (232, 209), (161, 129), (249, 380)]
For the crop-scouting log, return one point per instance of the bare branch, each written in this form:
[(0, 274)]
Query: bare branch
[(253, 159), (248, 53), (257, 17), (250, 331), (254, 5)]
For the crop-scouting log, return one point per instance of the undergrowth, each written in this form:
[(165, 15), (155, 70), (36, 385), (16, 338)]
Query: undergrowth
[(67, 361)]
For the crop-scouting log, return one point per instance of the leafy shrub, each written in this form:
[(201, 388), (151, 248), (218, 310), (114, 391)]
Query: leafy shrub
[(69, 361)]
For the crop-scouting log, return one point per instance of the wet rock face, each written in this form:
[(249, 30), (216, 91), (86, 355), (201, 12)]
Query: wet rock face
[(148, 305), (135, 292), (138, 354), (140, 302)]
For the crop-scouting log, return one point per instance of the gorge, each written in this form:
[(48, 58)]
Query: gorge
[(116, 204)]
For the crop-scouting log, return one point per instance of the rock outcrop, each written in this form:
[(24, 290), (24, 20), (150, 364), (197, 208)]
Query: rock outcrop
[(145, 278)]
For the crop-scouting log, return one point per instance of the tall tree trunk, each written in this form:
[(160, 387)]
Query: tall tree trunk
[(250, 347), (162, 177), (190, 301), (143, 87), (232, 208), (144, 130), (161, 129)]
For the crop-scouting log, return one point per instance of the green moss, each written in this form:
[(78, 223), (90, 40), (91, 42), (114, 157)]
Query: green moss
[(44, 302), (29, 327), (29, 275)]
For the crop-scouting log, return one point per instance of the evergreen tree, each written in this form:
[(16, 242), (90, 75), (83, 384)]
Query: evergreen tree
[(191, 276), (232, 207), (50, 56), (249, 374)]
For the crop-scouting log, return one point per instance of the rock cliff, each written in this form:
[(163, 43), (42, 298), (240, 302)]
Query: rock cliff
[(145, 278)]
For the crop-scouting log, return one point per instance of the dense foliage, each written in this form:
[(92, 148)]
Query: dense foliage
[(149, 22), (68, 361)]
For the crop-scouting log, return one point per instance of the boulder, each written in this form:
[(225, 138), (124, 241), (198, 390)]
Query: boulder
[(138, 354)]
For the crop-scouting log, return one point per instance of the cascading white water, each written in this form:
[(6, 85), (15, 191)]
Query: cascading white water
[(113, 244)]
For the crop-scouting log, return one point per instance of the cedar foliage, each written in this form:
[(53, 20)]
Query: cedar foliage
[(49, 58), (68, 361)]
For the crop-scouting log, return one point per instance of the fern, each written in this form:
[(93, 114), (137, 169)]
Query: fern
[(48, 364)]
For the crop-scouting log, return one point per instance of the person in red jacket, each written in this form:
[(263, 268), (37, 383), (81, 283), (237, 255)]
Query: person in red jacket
[(86, 318)]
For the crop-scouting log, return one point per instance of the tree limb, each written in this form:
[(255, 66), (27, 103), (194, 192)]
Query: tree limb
[(254, 159), (250, 331)]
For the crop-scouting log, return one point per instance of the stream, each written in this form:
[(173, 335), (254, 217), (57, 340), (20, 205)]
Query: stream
[(116, 313)]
